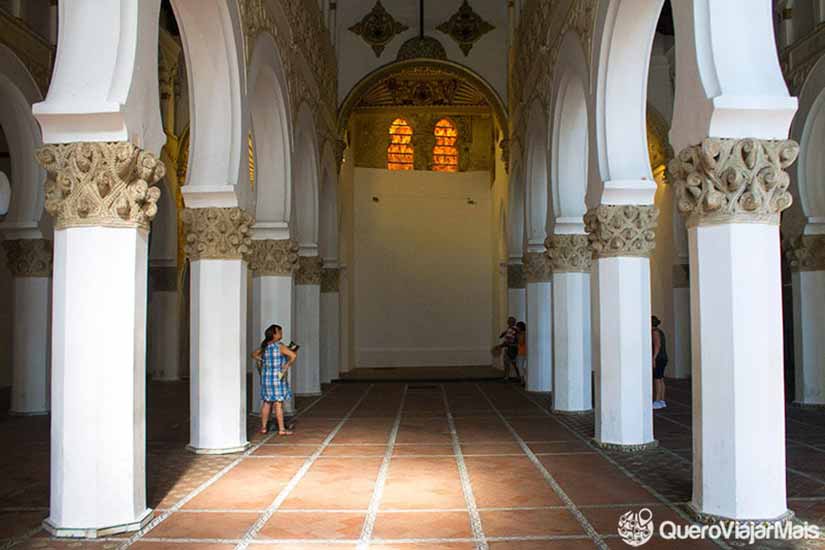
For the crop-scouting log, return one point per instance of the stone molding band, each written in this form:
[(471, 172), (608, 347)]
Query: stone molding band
[(621, 230), (330, 279), (108, 184), (29, 257), (733, 180), (278, 257), (807, 253), (537, 267), (569, 253), (309, 270), (515, 277), (217, 233)]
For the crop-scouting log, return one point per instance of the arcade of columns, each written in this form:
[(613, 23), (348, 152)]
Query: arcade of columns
[(587, 283)]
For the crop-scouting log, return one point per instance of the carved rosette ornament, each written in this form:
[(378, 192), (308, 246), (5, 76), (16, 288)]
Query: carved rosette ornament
[(807, 253), (466, 27), (733, 180), (537, 267), (378, 28), (569, 253), (515, 276), (109, 184), (621, 230), (309, 270), (274, 257), (217, 233), (330, 277), (29, 257)]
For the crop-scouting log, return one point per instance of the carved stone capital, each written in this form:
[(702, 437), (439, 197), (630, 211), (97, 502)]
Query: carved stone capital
[(733, 180), (515, 276), (621, 230), (569, 253), (330, 279), (217, 233), (274, 257), (681, 276), (29, 257), (807, 253), (108, 184), (309, 270), (537, 267)]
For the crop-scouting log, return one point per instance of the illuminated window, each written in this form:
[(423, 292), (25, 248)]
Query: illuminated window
[(400, 150), (445, 153)]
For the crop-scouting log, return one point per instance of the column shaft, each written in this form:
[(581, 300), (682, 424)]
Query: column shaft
[(572, 380), (307, 375)]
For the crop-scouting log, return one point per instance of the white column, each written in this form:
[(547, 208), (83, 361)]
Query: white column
[(622, 238), (164, 321), (330, 325), (516, 292), (539, 322), (272, 263), (307, 374), (736, 318), (217, 241), (30, 263), (807, 259), (98, 435), (679, 344), (572, 380)]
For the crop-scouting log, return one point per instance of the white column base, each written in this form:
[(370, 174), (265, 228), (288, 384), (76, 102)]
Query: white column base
[(572, 380), (738, 381), (809, 338), (98, 424), (272, 304), (97, 532), (30, 347), (539, 337), (330, 331), (218, 356), (306, 373), (679, 344), (622, 352)]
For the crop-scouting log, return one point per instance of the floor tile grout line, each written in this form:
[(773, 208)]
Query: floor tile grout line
[(209, 482), (349, 542), (565, 498), (381, 480), (298, 476), (466, 485), (625, 471)]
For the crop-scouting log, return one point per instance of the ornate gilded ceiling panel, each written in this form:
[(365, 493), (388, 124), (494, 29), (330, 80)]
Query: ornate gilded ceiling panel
[(466, 27), (378, 28), (422, 86)]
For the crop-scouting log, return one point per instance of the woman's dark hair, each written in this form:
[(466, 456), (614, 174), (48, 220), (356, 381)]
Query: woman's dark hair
[(269, 334), (655, 321), (522, 326)]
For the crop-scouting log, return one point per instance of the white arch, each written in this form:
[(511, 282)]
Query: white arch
[(536, 168), (329, 215), (569, 154), (269, 112), (213, 45), (18, 92), (305, 181)]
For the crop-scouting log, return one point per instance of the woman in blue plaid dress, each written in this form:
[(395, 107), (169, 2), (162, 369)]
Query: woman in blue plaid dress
[(276, 359)]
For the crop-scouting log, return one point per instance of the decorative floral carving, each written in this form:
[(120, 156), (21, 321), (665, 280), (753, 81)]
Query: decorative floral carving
[(105, 183), (378, 28), (274, 257), (419, 47), (29, 257), (537, 267), (733, 180), (569, 253), (466, 27), (515, 276), (681, 276), (406, 91), (330, 277), (621, 230), (807, 253), (217, 233), (309, 270)]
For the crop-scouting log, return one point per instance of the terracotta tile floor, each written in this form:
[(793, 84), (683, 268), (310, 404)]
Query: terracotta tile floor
[(393, 465)]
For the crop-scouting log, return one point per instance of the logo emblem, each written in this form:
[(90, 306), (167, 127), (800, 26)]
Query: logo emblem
[(636, 528)]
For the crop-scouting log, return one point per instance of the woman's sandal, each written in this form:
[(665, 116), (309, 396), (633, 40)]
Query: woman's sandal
[(285, 432), (262, 431)]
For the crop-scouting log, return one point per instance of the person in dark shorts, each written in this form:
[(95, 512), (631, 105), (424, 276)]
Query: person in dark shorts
[(509, 348), (659, 363)]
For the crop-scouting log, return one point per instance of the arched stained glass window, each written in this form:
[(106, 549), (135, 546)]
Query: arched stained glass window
[(445, 152), (400, 150)]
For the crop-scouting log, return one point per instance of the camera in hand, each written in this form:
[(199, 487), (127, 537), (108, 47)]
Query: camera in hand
[(293, 346)]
